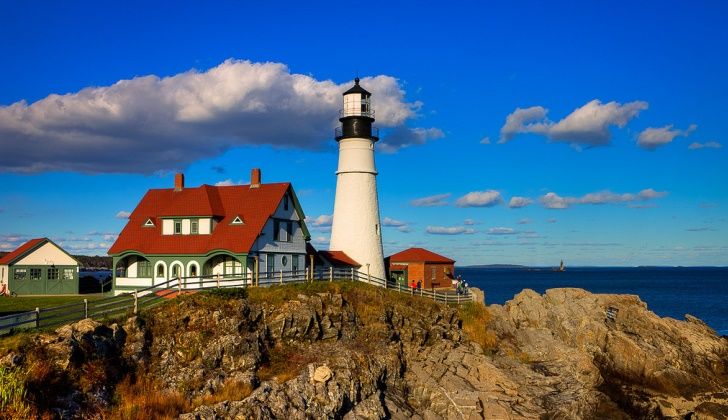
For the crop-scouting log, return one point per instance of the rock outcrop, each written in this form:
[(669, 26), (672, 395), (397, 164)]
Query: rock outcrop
[(365, 353)]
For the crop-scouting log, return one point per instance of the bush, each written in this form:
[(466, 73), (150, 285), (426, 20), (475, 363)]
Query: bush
[(12, 394), (228, 293)]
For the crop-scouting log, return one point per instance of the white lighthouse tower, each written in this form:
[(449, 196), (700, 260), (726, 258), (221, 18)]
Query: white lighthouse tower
[(356, 228)]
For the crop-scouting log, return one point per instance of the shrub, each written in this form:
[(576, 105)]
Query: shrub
[(144, 398), (13, 394)]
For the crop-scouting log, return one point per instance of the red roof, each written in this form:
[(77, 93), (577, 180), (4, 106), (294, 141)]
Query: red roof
[(419, 255), (253, 205), (22, 250), (338, 258)]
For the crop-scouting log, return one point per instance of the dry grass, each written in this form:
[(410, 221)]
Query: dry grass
[(475, 319), (231, 390), (144, 398), (13, 402), (285, 362)]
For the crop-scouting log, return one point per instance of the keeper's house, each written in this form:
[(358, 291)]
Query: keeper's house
[(419, 264), (228, 231), (39, 267)]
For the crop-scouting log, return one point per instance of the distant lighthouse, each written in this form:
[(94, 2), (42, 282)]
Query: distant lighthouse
[(356, 228)]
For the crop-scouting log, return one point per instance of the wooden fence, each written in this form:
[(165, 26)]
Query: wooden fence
[(133, 302)]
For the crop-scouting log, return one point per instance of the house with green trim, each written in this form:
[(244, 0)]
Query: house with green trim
[(39, 267), (243, 231)]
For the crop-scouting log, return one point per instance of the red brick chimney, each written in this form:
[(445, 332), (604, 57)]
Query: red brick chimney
[(179, 181), (255, 178)]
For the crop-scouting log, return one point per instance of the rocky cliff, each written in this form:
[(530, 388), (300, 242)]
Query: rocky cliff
[(353, 351)]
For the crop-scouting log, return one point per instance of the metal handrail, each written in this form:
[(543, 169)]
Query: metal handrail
[(344, 113)]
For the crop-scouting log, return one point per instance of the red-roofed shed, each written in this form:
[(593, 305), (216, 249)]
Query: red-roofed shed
[(419, 264)]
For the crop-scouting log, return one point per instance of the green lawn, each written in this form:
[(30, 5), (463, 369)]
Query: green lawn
[(29, 303)]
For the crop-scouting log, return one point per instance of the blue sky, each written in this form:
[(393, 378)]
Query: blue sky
[(606, 121)]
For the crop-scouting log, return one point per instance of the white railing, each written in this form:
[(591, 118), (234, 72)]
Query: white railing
[(133, 302)]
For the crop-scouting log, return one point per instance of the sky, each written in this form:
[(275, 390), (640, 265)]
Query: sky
[(511, 132)]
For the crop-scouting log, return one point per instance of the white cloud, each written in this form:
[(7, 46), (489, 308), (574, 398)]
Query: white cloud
[(519, 202), (431, 201), (323, 220), (122, 214), (501, 231), (227, 183), (388, 221), (654, 137), (404, 229), (485, 140), (524, 221), (444, 230), (401, 137), (706, 145), (178, 119), (488, 198), (320, 240), (588, 125), (552, 200), (469, 222)]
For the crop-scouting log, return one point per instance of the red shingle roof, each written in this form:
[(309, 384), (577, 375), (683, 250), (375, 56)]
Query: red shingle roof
[(21, 251), (419, 255), (253, 205), (338, 258)]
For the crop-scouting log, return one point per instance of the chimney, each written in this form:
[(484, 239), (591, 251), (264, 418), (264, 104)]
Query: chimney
[(179, 181), (255, 178)]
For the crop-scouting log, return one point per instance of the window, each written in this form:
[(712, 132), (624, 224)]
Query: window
[(276, 230), (160, 270), (175, 271), (434, 275), (149, 223), (193, 270), (20, 274), (53, 273), (285, 202), (284, 261), (194, 227), (35, 274), (270, 260), (376, 228), (289, 231), (237, 221), (68, 274), (177, 227), (144, 268), (294, 263)]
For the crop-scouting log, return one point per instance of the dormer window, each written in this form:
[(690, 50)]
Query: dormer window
[(177, 227), (237, 221), (149, 223), (194, 227)]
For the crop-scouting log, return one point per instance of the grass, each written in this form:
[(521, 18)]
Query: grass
[(29, 303), (475, 319), (13, 403), (144, 398)]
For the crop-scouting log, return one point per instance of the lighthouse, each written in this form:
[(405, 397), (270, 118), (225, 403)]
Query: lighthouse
[(356, 229)]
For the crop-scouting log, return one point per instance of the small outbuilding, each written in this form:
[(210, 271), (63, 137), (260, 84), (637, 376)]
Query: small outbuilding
[(39, 267), (419, 264)]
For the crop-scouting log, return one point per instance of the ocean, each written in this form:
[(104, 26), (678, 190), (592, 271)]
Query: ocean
[(673, 292)]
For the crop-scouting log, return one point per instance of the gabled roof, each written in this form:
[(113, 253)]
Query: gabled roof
[(338, 258), (419, 255), (22, 250), (253, 205), (27, 248)]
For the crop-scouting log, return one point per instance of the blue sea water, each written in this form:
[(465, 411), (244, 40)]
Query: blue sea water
[(673, 292)]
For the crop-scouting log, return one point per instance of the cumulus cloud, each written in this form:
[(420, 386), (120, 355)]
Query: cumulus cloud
[(227, 183), (122, 214), (654, 137), (552, 200), (444, 230), (519, 202), (501, 231), (586, 126), (401, 137), (149, 123), (389, 222), (431, 201), (488, 198), (323, 220), (706, 145)]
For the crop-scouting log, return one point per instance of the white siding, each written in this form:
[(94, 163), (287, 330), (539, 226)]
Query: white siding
[(167, 227), (204, 226), (48, 254), (185, 226)]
